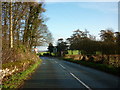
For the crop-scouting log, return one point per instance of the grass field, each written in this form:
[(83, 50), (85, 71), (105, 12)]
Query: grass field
[(41, 53), (76, 52), (73, 52)]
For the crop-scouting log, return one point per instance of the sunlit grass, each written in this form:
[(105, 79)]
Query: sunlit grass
[(42, 53), (73, 52)]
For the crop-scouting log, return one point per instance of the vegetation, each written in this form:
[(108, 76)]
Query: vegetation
[(83, 48), (23, 27), (21, 64), (102, 67), (50, 48), (17, 79), (27, 24), (61, 47), (59, 50), (88, 44)]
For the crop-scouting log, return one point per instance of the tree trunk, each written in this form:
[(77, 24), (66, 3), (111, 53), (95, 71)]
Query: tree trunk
[(108, 59), (79, 52), (11, 31), (72, 52), (28, 28)]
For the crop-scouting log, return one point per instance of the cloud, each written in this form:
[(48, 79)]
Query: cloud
[(104, 7), (51, 3)]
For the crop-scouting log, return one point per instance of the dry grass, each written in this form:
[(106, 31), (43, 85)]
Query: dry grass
[(19, 58), (17, 54)]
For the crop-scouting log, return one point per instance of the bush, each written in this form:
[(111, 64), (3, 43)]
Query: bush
[(21, 47), (46, 54), (97, 65), (17, 79), (39, 54)]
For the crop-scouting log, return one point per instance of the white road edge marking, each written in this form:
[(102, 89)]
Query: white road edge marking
[(80, 81), (62, 66)]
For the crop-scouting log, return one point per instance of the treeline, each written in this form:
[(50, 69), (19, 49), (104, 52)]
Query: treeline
[(23, 23), (23, 27), (87, 44)]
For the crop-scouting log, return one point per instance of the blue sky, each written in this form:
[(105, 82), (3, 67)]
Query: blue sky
[(65, 17)]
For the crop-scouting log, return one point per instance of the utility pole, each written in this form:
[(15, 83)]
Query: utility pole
[(11, 26)]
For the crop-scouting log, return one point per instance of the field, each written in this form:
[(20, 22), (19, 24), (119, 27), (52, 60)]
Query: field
[(73, 52)]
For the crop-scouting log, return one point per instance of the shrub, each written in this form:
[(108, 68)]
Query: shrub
[(97, 65)]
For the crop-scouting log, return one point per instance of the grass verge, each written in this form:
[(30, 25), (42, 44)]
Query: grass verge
[(103, 67), (17, 79)]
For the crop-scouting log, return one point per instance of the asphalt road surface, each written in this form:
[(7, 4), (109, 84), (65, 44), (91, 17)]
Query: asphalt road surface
[(56, 73)]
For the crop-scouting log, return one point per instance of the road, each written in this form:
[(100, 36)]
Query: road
[(56, 73)]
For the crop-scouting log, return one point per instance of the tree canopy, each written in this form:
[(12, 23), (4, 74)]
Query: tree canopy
[(83, 41), (23, 23)]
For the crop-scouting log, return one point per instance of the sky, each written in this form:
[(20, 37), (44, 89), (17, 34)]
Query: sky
[(66, 17)]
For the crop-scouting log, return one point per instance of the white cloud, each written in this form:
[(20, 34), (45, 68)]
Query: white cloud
[(103, 7)]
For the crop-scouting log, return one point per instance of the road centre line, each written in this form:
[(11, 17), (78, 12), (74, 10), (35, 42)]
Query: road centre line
[(62, 66), (56, 62), (76, 78), (81, 81)]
